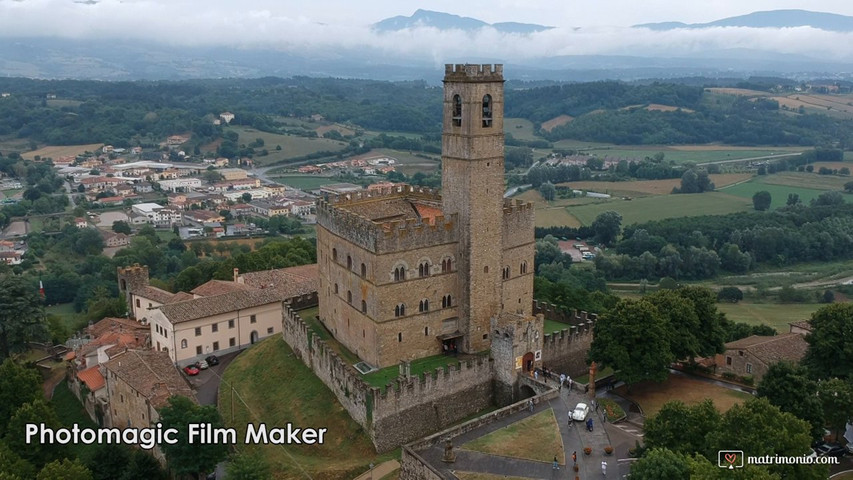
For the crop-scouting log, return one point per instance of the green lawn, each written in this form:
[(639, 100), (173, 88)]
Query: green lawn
[(73, 321), (71, 411), (380, 378), (776, 315), (291, 146), (552, 326), (601, 373), (778, 193), (271, 385), (805, 180), (304, 182), (534, 438), (663, 206)]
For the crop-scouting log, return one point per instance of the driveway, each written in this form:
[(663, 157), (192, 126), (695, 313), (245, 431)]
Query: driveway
[(206, 383)]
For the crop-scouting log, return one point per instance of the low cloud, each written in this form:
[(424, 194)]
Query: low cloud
[(190, 23)]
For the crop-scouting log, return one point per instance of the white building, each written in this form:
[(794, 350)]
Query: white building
[(157, 214), (184, 184)]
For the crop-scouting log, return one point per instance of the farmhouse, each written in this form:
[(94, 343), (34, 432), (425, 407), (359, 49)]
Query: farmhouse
[(752, 356)]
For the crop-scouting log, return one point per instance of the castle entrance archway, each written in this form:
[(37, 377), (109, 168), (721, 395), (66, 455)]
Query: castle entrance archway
[(527, 362), (525, 392)]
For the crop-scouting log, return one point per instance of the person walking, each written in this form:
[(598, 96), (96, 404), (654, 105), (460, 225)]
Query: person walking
[(575, 457), (604, 416), (536, 374), (604, 468), (530, 404), (556, 465), (570, 383)]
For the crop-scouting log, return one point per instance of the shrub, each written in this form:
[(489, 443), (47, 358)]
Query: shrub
[(587, 450)]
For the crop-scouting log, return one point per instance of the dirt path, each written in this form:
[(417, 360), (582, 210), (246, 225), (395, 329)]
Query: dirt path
[(379, 471)]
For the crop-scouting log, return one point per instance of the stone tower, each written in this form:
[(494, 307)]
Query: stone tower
[(131, 279), (472, 187)]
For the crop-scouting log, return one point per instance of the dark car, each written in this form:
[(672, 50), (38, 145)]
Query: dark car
[(830, 450), (212, 360)]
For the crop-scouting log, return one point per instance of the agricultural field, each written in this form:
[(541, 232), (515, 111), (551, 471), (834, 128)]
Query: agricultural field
[(556, 122), (806, 180), (61, 151), (408, 163), (520, 128), (778, 193), (339, 128), (651, 187), (832, 105), (303, 182), (664, 206), (738, 91), (291, 146), (776, 315), (553, 214)]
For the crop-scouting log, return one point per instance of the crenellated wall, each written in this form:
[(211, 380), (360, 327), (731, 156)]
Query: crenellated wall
[(408, 408), (566, 351)]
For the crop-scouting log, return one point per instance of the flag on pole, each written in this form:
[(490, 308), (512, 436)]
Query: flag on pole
[(41, 289)]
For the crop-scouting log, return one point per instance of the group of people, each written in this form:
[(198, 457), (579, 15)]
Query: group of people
[(575, 461), (545, 374)]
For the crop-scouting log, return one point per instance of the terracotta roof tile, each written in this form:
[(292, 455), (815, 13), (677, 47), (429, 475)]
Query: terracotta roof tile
[(152, 374), (288, 282), (772, 349), (115, 324), (180, 297), (92, 378), (218, 287)]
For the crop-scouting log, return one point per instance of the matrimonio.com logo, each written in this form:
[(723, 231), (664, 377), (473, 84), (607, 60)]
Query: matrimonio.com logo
[(732, 459)]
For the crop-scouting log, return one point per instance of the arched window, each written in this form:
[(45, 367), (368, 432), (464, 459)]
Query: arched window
[(505, 273), (363, 270), (363, 306), (336, 288), (457, 111), (423, 269), (487, 111), (335, 254), (184, 343), (446, 301), (400, 310), (446, 265), (349, 296), (423, 306), (426, 331), (349, 262), (399, 274), (523, 268)]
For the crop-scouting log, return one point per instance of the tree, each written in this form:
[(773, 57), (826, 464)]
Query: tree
[(759, 428), (211, 176), (829, 198), (827, 297), (21, 318), (143, 466), (681, 428), (108, 461), (661, 464), (711, 334), (788, 387), (689, 182), (633, 339), (730, 294), (18, 385), (248, 467), (548, 191), (607, 226), (35, 412), (120, 226), (682, 323), (12, 464), (829, 341), (103, 304), (794, 199), (247, 197), (185, 458), (64, 470), (761, 200), (848, 187)]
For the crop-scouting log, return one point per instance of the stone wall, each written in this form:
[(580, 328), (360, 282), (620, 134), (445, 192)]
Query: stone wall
[(566, 351), (409, 408)]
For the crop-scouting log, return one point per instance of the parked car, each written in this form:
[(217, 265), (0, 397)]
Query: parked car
[(191, 370), (202, 365), (831, 450), (580, 412), (212, 360)]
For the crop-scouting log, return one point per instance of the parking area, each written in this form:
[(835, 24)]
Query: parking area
[(576, 248), (206, 383)]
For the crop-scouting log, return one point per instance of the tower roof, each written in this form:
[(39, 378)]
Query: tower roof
[(473, 73)]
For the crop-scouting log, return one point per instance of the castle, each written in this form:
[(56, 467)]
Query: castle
[(407, 273)]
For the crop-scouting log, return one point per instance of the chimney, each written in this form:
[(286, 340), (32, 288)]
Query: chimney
[(236, 273)]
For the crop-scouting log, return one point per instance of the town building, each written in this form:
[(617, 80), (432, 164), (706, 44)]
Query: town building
[(753, 355), (179, 184), (233, 173)]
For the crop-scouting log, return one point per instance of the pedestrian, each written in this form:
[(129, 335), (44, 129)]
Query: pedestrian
[(562, 379), (595, 404), (560, 387), (530, 404), (556, 465), (604, 417), (570, 383), (575, 457), (536, 374), (604, 468)]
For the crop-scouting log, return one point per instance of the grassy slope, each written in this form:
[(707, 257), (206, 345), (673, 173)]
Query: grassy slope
[(277, 388), (663, 206), (535, 438), (776, 315), (291, 146)]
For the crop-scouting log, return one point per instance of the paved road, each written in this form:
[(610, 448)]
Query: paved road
[(765, 157), (206, 383)]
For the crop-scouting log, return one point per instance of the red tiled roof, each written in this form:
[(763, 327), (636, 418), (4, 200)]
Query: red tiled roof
[(92, 378), (115, 324), (218, 287), (289, 282), (772, 349), (152, 374)]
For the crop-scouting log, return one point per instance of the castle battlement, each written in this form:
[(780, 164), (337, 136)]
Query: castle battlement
[(397, 191), (473, 72), (572, 333), (515, 205)]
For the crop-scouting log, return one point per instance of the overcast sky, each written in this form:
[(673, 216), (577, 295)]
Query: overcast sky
[(330, 24)]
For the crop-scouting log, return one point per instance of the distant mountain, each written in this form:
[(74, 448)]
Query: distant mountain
[(446, 21), (770, 19)]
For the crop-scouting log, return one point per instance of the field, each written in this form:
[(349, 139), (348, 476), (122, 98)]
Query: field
[(62, 151), (652, 187), (556, 122), (291, 146), (520, 128), (664, 206), (73, 321), (533, 438), (778, 193), (685, 153), (776, 315), (256, 377), (738, 91), (833, 105), (652, 395), (328, 128), (407, 162), (806, 180), (553, 214), (304, 182)]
